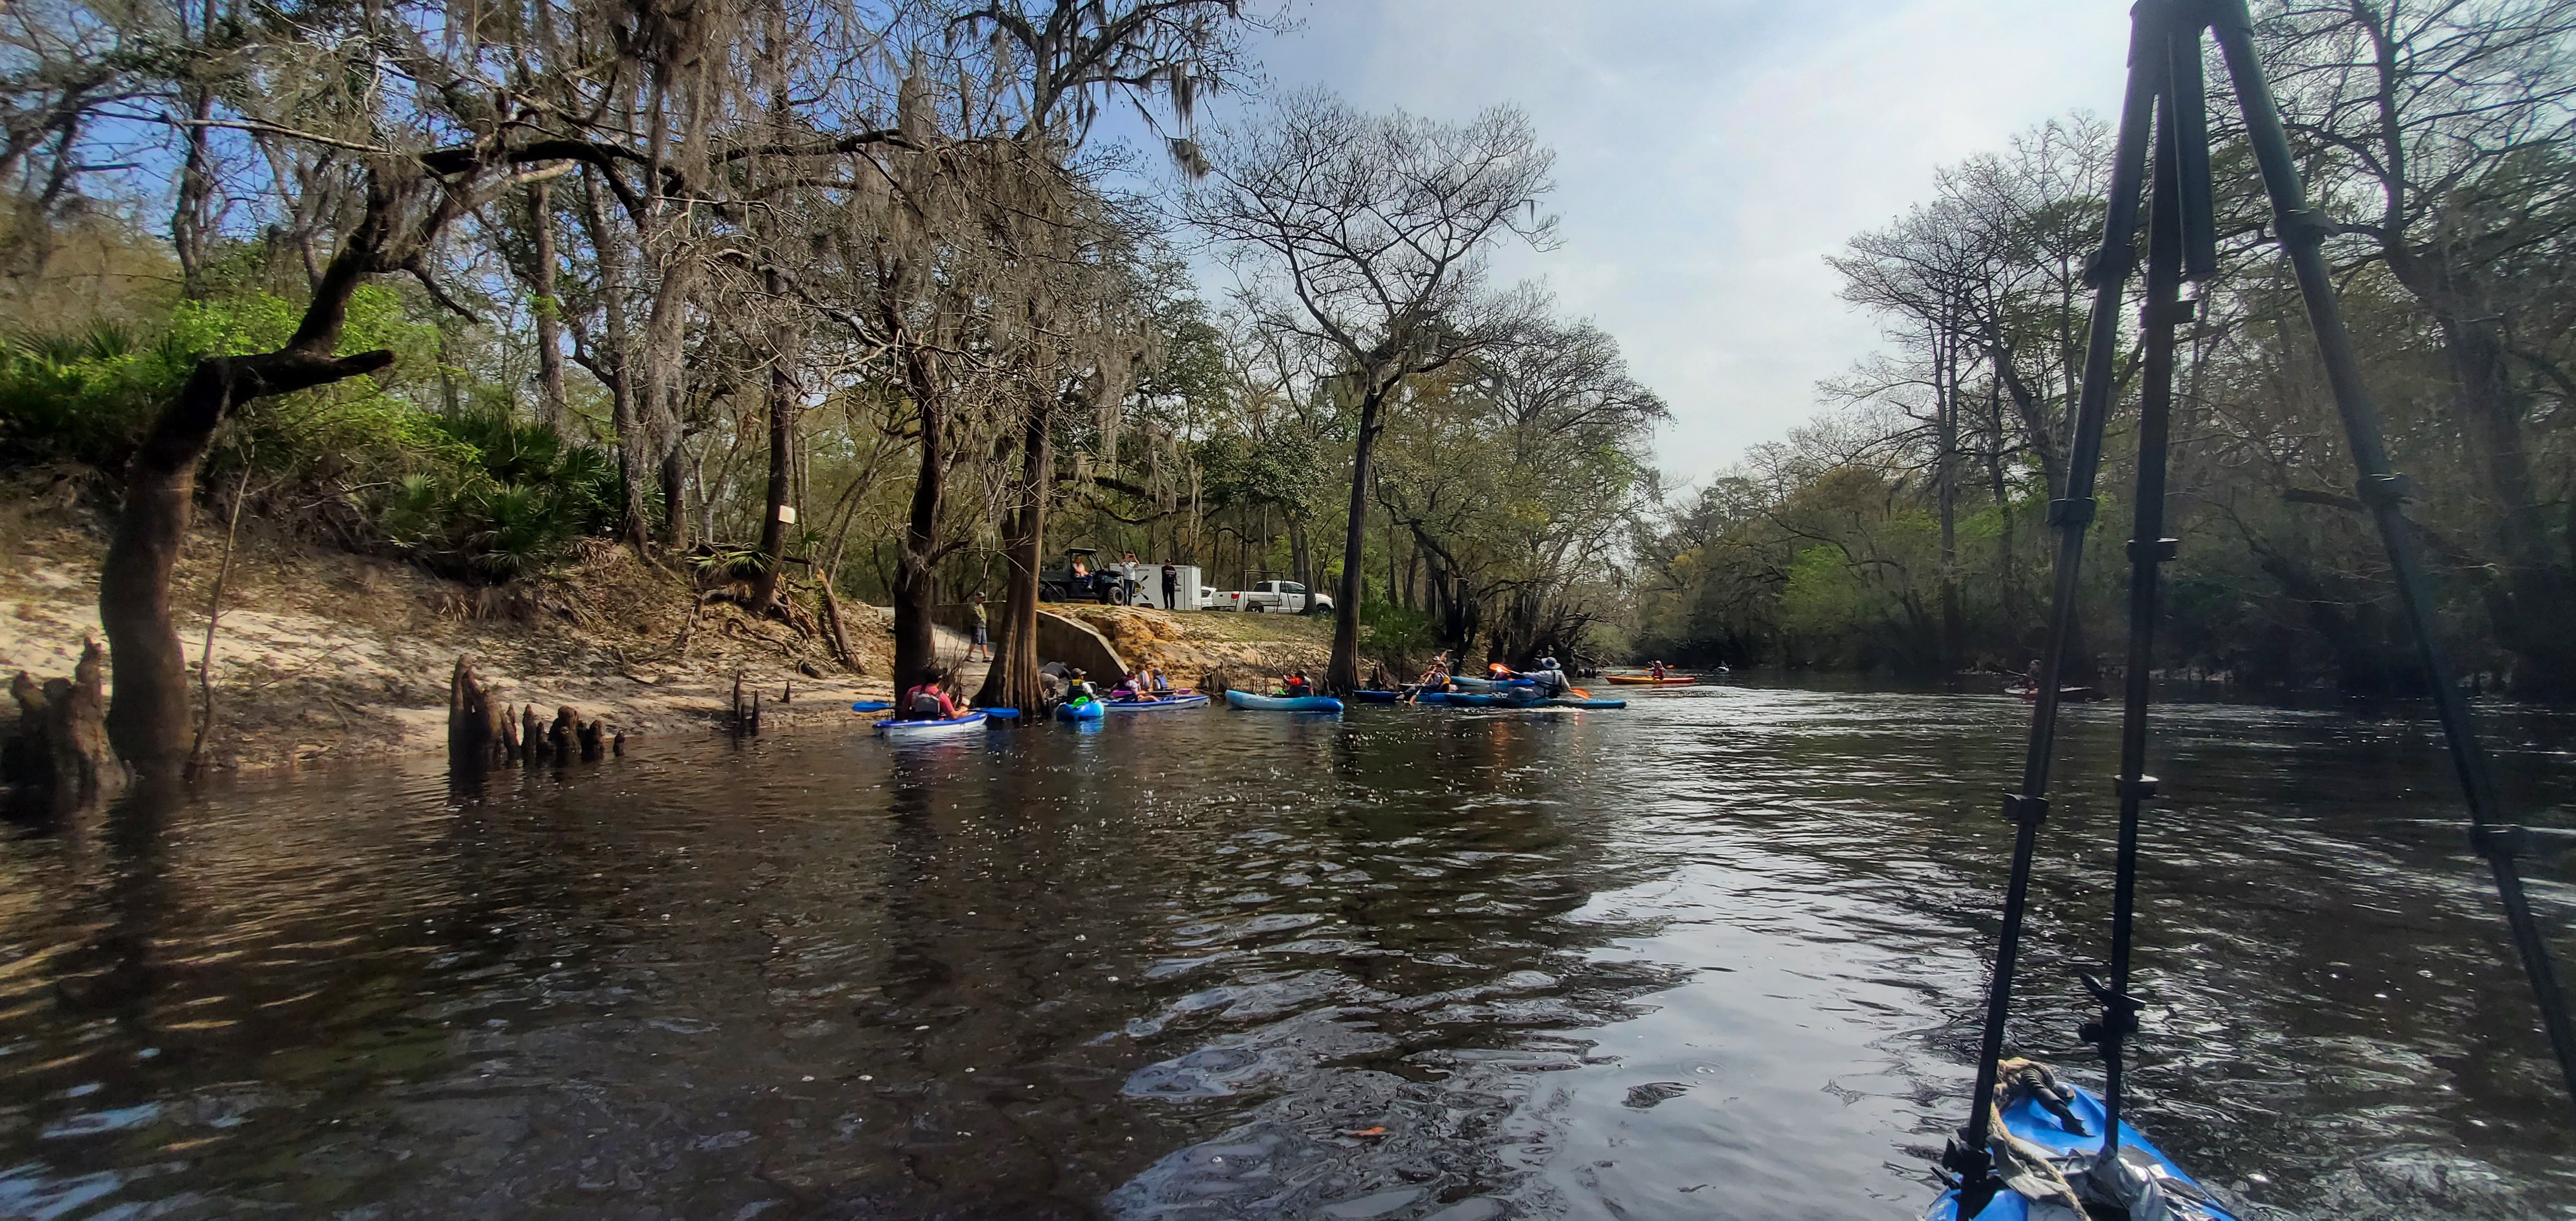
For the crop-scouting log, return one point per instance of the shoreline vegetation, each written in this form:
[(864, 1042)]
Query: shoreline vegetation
[(659, 349)]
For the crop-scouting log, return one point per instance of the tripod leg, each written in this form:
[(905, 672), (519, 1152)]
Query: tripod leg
[(2381, 489), (2149, 32), (2170, 234)]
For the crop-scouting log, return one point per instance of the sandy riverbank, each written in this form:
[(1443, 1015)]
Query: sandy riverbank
[(326, 656)]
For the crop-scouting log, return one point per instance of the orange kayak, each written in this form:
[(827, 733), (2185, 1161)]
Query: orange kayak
[(1641, 680)]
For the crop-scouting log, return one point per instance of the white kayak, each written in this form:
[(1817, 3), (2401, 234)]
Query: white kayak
[(910, 730)]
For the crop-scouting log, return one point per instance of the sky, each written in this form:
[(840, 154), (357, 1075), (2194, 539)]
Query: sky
[(1711, 154)]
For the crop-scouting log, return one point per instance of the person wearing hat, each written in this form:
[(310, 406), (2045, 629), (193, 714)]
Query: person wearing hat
[(1551, 678)]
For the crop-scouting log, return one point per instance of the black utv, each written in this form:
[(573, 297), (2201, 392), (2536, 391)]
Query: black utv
[(1079, 579)]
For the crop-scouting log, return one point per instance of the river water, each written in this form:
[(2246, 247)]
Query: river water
[(1717, 955)]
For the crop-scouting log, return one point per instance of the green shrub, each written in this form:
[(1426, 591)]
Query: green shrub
[(509, 498), (1395, 632), (84, 398)]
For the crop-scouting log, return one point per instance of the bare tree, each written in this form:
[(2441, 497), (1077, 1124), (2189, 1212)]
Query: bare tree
[(2446, 133), (1370, 233)]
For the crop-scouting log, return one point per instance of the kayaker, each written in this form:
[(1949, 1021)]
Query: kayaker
[(1435, 677), (1656, 671), (1550, 679), (930, 701), (1295, 685), (1077, 686), (976, 609)]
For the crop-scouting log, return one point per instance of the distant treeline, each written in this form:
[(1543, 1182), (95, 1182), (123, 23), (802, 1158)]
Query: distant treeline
[(1905, 528)]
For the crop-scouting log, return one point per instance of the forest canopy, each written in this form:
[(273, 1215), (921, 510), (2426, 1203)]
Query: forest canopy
[(1904, 528)]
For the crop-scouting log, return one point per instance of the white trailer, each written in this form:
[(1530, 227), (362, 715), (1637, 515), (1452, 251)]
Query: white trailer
[(1187, 593)]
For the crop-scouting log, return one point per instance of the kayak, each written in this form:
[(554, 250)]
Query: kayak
[(1475, 699), (1646, 680), (870, 706), (2072, 695), (1378, 697), (1177, 699), (932, 729), (2027, 1120), (1488, 684), (1283, 703), (1079, 710)]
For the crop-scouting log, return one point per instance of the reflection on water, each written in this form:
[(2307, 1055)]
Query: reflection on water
[(1715, 956)]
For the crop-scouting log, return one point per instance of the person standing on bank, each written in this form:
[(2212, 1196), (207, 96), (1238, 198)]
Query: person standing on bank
[(982, 641), (1171, 587)]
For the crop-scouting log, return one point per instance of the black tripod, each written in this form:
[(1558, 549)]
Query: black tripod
[(2165, 109)]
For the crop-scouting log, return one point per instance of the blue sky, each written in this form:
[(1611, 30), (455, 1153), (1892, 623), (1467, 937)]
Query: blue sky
[(1711, 154)]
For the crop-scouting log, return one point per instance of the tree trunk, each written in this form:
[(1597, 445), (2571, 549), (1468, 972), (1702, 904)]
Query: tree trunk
[(782, 458), (148, 721), (475, 739), (554, 409), (1946, 407), (1301, 558), (619, 359), (1342, 675), (917, 552), (675, 487), (1013, 679), (60, 751)]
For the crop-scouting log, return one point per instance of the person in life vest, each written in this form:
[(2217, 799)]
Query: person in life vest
[(1296, 686), (931, 700), (1657, 671), (1550, 678)]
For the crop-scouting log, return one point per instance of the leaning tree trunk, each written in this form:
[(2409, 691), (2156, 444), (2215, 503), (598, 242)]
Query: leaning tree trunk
[(148, 720), (1013, 679), (1342, 675)]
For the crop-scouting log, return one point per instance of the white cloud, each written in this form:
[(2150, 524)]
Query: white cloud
[(1711, 155)]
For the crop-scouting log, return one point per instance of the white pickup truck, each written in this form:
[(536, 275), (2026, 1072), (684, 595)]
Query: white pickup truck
[(1286, 596)]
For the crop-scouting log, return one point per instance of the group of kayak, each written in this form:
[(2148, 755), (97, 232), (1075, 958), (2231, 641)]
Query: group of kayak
[(1546, 686), (932, 708)]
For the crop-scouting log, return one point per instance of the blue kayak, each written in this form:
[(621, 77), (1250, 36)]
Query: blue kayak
[(1079, 710), (1176, 699), (1568, 701), (1283, 703), (931, 729), (2026, 1119), (1378, 697)]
